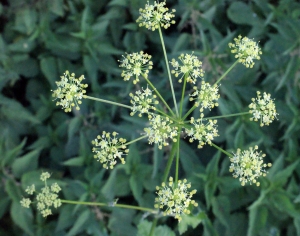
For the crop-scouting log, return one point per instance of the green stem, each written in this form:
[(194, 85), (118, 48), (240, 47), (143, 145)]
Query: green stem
[(111, 205), (158, 94), (170, 160), (182, 94), (229, 69), (107, 101), (177, 159), (135, 140), (189, 112), (222, 150), (166, 173), (168, 69), (230, 115), (153, 227)]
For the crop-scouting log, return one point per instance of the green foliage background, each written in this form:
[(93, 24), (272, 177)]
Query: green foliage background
[(41, 39)]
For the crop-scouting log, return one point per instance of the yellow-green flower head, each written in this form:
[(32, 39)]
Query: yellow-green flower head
[(206, 97), (175, 199), (143, 101), (190, 65), (135, 65), (263, 108), (160, 130), (70, 91), (246, 50), (108, 149), (46, 198), (155, 16), (204, 133), (248, 165)]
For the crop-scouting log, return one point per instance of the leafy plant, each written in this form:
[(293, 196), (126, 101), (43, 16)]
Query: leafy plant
[(42, 39)]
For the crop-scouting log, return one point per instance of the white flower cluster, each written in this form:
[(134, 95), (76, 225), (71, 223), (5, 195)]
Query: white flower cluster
[(143, 101), (155, 16), (160, 130), (108, 149), (206, 97), (263, 108), (248, 165), (190, 66), (246, 50), (175, 198), (135, 65), (47, 198), (70, 91), (204, 133)]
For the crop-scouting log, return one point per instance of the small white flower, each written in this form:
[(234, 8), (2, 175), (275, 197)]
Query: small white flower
[(46, 198), (263, 109), (248, 165), (161, 129), (207, 97), (246, 50), (108, 149), (204, 133), (70, 91), (143, 101), (155, 16), (189, 65), (135, 65), (175, 199)]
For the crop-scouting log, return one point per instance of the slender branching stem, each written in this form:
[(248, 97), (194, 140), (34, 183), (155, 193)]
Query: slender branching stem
[(107, 101), (229, 69), (158, 94), (168, 69), (111, 205)]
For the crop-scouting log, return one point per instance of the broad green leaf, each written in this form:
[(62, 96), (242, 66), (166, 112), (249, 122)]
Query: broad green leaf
[(81, 223), (76, 161), (120, 222), (49, 68), (57, 7), (13, 190), (15, 111), (241, 13), (26, 20), (136, 185), (281, 177), (283, 203), (65, 219), (117, 183), (26, 163), (221, 209), (144, 229), (258, 217), (9, 156), (74, 126), (4, 204), (180, 43), (22, 217), (190, 220)]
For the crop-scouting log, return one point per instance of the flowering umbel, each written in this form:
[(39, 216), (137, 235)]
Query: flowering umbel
[(47, 198), (204, 133), (143, 101), (207, 97), (175, 199), (248, 165), (161, 129), (190, 66), (155, 16), (108, 149), (263, 108), (70, 91), (135, 65), (246, 50)]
